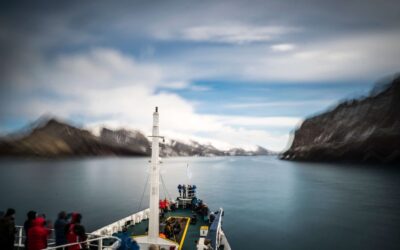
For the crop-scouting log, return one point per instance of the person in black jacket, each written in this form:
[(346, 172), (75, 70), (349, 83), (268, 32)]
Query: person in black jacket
[(180, 190), (7, 230), (31, 216), (184, 190)]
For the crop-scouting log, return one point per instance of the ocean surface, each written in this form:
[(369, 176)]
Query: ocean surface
[(268, 203)]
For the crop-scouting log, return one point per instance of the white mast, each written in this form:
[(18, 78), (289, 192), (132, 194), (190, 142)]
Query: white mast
[(154, 218)]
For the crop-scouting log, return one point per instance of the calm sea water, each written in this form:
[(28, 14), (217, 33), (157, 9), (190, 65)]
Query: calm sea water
[(268, 203)]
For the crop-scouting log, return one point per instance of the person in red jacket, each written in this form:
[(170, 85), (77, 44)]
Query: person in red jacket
[(76, 232), (38, 234), (166, 204), (162, 205)]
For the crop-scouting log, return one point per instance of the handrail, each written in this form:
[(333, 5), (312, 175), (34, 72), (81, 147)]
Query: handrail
[(51, 241), (20, 230), (21, 236), (99, 245), (219, 230), (215, 233), (117, 225)]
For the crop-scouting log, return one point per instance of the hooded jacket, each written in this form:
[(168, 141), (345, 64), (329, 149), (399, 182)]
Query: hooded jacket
[(75, 232), (28, 224), (127, 243), (38, 234)]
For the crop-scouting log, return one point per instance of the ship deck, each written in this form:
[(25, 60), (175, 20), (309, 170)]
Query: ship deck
[(187, 237)]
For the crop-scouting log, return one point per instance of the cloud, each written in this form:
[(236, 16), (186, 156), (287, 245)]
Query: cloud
[(235, 34), (199, 88), (291, 104), (104, 86), (195, 41), (264, 122), (57, 59), (364, 57), (359, 58), (283, 47)]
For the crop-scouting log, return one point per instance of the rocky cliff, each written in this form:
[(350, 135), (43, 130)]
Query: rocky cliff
[(362, 130), (52, 138)]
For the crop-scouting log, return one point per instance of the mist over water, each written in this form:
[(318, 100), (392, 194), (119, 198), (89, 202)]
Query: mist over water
[(268, 203)]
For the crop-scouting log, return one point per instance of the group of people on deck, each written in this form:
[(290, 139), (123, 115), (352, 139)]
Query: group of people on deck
[(191, 191), (172, 228), (166, 206), (68, 230)]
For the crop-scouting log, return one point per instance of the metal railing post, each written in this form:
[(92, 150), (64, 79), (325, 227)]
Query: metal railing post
[(20, 238), (100, 244)]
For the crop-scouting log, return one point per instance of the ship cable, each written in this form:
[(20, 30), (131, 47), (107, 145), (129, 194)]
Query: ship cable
[(165, 188), (144, 190)]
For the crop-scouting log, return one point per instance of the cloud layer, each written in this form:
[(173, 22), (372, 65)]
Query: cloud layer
[(114, 66), (104, 87), (235, 34)]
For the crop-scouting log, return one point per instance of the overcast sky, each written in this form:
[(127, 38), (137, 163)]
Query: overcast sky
[(233, 73)]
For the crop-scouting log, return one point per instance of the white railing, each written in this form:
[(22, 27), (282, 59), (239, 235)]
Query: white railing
[(118, 225), (219, 229), (215, 234), (92, 241), (96, 242), (224, 241), (219, 238), (20, 238)]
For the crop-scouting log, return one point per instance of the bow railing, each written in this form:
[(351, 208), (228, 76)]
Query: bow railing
[(94, 241)]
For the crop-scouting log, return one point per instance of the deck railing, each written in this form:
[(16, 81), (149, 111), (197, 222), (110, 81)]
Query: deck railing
[(118, 225), (215, 233), (20, 239), (94, 241), (97, 238)]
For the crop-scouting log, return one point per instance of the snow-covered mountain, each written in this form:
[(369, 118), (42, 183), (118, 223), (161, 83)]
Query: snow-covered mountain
[(52, 138)]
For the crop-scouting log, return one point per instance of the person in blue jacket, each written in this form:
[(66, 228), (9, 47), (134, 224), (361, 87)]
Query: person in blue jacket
[(60, 228), (180, 190), (126, 241)]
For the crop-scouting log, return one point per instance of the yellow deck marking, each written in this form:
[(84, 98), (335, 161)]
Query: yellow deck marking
[(184, 233)]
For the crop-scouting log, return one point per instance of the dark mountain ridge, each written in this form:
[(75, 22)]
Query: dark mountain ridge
[(53, 138), (365, 130)]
